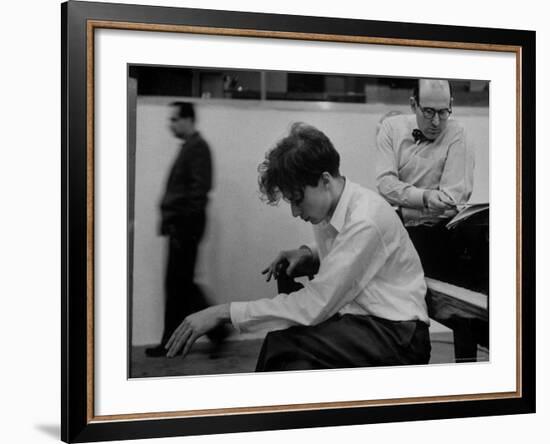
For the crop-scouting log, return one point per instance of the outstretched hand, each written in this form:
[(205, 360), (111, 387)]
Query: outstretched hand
[(194, 326), (294, 258)]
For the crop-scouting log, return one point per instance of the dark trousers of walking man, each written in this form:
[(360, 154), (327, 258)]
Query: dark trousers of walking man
[(183, 295)]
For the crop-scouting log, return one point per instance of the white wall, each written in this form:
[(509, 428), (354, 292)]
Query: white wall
[(243, 233), (30, 233)]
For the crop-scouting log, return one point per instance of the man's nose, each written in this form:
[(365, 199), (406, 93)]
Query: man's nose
[(295, 210), (436, 120)]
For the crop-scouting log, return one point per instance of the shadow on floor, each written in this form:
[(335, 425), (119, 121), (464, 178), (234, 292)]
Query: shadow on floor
[(203, 359), (51, 430), (239, 356)]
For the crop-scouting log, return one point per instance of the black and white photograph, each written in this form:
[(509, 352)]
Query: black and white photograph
[(291, 221), (281, 222), (275, 222)]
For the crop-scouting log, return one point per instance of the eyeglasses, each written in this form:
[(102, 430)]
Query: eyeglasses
[(429, 113)]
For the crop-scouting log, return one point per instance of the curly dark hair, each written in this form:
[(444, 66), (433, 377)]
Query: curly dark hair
[(296, 161)]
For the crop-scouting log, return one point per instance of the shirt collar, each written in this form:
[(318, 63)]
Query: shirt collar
[(191, 137), (339, 216)]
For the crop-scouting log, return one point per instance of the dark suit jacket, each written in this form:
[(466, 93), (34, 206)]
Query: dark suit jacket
[(183, 207)]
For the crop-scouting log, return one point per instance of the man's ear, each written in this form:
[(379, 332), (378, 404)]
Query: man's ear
[(412, 101), (325, 178)]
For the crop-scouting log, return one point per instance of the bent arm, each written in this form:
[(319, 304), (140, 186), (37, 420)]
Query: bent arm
[(356, 256), (394, 190), (457, 179)]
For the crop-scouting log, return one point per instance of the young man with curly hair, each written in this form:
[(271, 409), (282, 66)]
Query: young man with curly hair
[(365, 305)]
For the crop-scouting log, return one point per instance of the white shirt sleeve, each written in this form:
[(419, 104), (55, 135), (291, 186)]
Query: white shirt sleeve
[(457, 179), (358, 252), (389, 186)]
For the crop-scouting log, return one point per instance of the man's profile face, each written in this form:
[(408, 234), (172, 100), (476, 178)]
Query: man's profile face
[(433, 94), (315, 204), (181, 127)]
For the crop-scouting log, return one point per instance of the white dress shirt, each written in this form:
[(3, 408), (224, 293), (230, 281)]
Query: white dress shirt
[(405, 169), (368, 266)]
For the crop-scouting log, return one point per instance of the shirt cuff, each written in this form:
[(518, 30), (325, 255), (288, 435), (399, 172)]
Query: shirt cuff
[(237, 313), (415, 197)]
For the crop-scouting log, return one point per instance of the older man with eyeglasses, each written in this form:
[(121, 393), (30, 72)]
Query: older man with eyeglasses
[(425, 169)]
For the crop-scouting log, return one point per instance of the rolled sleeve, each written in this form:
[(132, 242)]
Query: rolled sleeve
[(389, 184), (458, 175), (356, 256), (415, 197)]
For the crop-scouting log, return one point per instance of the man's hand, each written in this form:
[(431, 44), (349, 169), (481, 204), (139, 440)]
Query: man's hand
[(194, 326), (435, 200), (294, 257)]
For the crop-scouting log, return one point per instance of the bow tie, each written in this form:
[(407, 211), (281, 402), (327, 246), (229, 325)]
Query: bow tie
[(419, 137)]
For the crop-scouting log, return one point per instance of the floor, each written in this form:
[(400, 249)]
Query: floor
[(239, 356)]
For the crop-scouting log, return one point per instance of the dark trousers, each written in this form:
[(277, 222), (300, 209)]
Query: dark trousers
[(182, 295), (345, 341)]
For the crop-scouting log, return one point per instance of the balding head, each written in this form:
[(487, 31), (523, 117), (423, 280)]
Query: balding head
[(433, 89), (431, 94)]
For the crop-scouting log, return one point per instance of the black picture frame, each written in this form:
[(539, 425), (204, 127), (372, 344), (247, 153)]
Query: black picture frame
[(79, 19)]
